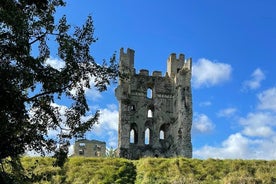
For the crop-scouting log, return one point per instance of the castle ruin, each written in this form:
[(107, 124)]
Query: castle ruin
[(89, 148), (155, 111)]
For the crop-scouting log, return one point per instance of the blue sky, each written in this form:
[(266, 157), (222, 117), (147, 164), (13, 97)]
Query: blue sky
[(232, 44)]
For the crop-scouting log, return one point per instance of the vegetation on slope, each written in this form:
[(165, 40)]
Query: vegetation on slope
[(148, 171), (182, 170)]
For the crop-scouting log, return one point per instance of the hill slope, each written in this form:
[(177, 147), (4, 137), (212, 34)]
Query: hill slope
[(150, 171)]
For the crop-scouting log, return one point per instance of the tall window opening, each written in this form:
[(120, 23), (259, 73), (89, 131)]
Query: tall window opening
[(132, 135), (161, 135), (163, 131), (147, 136), (149, 93), (149, 113)]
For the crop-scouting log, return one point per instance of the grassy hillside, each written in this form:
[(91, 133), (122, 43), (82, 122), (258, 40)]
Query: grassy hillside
[(150, 171)]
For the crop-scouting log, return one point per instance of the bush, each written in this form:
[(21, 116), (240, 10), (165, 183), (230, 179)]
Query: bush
[(100, 170)]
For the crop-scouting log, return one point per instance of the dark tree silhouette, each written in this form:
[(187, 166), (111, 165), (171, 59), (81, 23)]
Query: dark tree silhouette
[(29, 86)]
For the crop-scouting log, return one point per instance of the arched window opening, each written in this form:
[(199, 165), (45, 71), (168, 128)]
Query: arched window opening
[(149, 113), (131, 108), (163, 131), (132, 136), (162, 135), (147, 136), (149, 93)]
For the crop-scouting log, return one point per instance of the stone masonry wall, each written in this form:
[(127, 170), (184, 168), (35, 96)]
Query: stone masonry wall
[(89, 148), (155, 111)]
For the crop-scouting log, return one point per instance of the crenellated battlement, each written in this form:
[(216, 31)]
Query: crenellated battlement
[(174, 64), (157, 74), (126, 59), (188, 64), (145, 72)]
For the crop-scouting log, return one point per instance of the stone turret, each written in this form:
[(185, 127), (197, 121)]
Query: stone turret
[(126, 64), (155, 111)]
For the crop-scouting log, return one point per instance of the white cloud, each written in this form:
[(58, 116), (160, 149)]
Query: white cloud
[(109, 117), (227, 112), (267, 99), (202, 123), (55, 63), (93, 93), (238, 146), (208, 73), (259, 118), (256, 78), (258, 124), (261, 131), (107, 128), (235, 146)]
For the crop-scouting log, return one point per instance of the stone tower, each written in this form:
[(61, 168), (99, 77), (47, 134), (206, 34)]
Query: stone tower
[(155, 111)]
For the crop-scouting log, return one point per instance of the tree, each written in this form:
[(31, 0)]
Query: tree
[(29, 87)]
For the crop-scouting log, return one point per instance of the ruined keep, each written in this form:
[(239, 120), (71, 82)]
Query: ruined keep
[(155, 111), (89, 148)]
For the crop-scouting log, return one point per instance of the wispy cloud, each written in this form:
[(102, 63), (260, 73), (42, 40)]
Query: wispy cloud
[(258, 124), (207, 73), (267, 99), (202, 123), (255, 82), (227, 112)]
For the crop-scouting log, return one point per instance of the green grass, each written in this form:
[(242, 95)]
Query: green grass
[(179, 170)]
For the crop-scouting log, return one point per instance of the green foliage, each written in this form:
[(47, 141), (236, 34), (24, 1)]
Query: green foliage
[(100, 170), (12, 171), (183, 170), (41, 170), (83, 170)]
